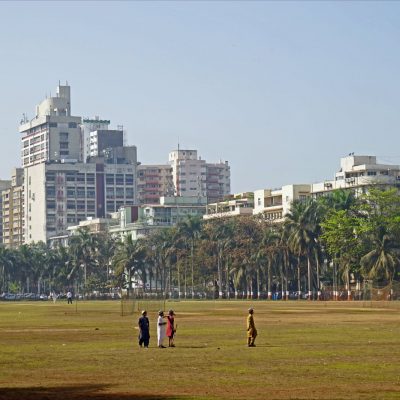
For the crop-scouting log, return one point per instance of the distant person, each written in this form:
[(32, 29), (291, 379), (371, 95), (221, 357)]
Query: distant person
[(171, 328), (251, 329), (54, 296), (144, 330), (69, 297), (161, 329)]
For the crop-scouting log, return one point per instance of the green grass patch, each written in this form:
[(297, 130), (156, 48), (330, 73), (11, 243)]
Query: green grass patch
[(305, 350)]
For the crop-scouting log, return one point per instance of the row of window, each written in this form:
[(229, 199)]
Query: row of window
[(70, 124)]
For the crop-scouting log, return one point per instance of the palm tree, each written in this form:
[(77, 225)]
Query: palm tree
[(381, 262), (302, 226), (191, 227), (128, 261), (82, 249)]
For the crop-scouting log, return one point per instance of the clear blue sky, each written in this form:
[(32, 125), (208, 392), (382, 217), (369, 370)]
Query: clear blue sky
[(281, 90)]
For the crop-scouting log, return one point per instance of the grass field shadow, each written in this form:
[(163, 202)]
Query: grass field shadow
[(79, 392)]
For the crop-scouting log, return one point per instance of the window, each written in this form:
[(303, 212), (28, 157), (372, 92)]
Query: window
[(51, 205), (72, 125), (110, 179), (119, 179), (371, 173), (110, 193), (63, 136), (119, 193), (64, 145), (52, 124), (90, 179), (129, 179)]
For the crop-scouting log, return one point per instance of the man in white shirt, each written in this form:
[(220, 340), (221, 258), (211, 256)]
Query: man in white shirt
[(161, 329)]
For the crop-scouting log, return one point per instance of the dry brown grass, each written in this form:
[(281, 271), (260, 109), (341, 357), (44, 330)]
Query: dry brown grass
[(305, 350)]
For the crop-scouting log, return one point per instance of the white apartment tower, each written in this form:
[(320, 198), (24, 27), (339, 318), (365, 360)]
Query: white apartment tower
[(188, 173), (88, 126), (59, 189), (53, 134), (193, 176)]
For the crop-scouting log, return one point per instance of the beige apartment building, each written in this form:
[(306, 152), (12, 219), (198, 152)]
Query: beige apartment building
[(185, 175), (4, 185), (60, 189), (233, 206), (153, 182), (357, 173), (53, 134), (275, 204), (193, 176), (13, 211)]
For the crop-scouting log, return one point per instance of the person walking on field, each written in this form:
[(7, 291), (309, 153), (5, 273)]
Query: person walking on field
[(251, 329), (144, 330), (171, 328), (161, 329), (69, 297)]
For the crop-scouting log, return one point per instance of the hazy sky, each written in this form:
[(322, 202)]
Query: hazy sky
[(281, 90)]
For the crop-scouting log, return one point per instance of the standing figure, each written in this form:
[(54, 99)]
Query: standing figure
[(161, 329), (171, 328), (251, 329), (69, 297), (144, 330)]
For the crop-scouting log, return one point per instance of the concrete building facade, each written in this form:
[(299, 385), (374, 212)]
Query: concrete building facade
[(13, 211), (357, 173), (59, 195), (54, 134), (153, 182), (91, 125), (60, 189), (275, 204), (193, 176), (234, 205)]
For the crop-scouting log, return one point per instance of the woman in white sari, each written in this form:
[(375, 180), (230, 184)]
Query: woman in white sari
[(161, 329)]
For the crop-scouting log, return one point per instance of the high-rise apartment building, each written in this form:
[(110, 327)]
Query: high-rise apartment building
[(153, 182), (53, 134), (185, 175), (13, 210), (4, 186), (97, 138), (357, 173), (60, 189), (59, 195), (193, 176), (91, 125)]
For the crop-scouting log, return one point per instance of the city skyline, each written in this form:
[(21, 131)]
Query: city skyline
[(274, 88)]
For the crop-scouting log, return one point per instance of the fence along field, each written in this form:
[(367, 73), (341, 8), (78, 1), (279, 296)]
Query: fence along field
[(305, 350)]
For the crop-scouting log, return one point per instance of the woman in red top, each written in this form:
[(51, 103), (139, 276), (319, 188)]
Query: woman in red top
[(171, 328)]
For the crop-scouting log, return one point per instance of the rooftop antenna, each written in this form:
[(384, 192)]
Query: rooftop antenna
[(178, 144)]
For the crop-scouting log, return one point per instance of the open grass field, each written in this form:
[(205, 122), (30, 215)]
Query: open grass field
[(305, 350)]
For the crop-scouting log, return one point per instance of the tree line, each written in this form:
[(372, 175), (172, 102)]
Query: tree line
[(339, 240)]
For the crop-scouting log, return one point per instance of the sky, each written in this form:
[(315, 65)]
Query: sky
[(281, 90)]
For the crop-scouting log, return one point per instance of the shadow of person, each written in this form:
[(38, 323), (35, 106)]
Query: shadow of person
[(78, 392)]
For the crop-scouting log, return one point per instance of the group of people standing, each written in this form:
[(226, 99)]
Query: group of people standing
[(164, 328), (169, 324)]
